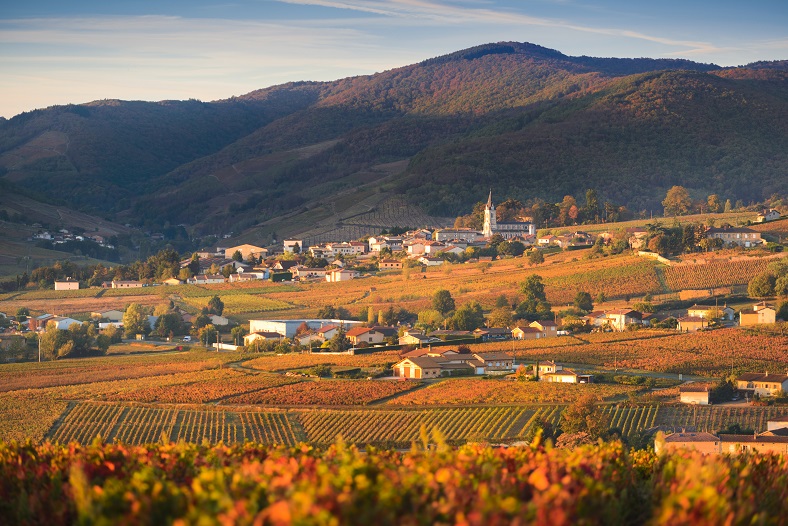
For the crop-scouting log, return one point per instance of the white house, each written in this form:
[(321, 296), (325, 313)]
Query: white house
[(340, 274), (67, 284)]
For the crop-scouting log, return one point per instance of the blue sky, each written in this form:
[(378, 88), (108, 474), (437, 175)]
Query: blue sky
[(56, 52)]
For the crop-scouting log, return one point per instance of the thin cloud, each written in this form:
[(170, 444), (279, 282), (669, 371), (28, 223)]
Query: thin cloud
[(454, 14)]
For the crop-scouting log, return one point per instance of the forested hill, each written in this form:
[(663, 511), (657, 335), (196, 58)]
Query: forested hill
[(529, 121)]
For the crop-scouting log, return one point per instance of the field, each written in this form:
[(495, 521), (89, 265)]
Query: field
[(714, 353), (717, 273), (324, 392), (491, 391), (621, 278)]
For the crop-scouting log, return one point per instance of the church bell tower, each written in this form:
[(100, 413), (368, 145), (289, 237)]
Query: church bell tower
[(490, 224)]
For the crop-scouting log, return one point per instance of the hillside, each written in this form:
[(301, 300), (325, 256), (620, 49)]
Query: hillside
[(529, 121)]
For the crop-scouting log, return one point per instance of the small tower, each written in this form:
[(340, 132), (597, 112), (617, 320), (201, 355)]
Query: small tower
[(490, 224)]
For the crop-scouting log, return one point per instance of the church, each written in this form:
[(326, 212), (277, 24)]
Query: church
[(507, 230)]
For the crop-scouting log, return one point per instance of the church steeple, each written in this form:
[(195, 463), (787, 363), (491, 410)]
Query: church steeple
[(490, 223)]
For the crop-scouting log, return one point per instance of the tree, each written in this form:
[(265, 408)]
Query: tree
[(535, 257), (114, 334), (215, 306), (340, 342), (370, 316), (583, 301), (501, 301), (728, 206), (135, 320), (22, 314), (442, 301), (238, 333), (677, 201), (237, 256), (715, 206), (207, 334), (168, 324), (592, 205), (535, 305), (500, 317), (468, 317), (761, 286), (430, 319), (585, 416)]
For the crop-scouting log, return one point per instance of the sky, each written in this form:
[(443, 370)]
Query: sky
[(58, 52)]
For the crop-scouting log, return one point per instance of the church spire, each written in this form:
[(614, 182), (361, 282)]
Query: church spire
[(489, 200)]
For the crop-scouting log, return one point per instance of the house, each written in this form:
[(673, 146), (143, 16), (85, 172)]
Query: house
[(219, 320), (451, 335), (246, 251), (205, 279), (545, 241), (172, 281), (414, 247), (526, 333), (595, 318), (766, 442), (290, 245), (303, 273), (496, 362), (62, 323), (127, 284), (367, 335), (417, 339), (387, 332), (768, 215), (389, 264), (566, 376), (284, 264), (778, 422), (66, 284), (757, 315), (327, 332), (492, 333), (433, 247), (341, 274), (763, 384), (111, 315), (418, 367), (547, 368), (636, 237), (430, 261), (461, 234), (694, 394), (251, 275), (707, 311), (773, 441), (261, 336), (618, 319), (450, 249), (691, 323), (549, 328), (743, 237), (702, 442), (308, 338)]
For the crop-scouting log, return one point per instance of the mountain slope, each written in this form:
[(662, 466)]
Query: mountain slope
[(526, 120)]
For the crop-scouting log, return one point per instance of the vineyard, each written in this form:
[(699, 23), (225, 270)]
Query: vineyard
[(403, 427), (242, 303), (473, 484), (324, 392), (137, 424), (714, 353), (489, 391), (714, 274)]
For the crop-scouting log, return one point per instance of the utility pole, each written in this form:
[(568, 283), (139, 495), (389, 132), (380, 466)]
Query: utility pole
[(39, 348)]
